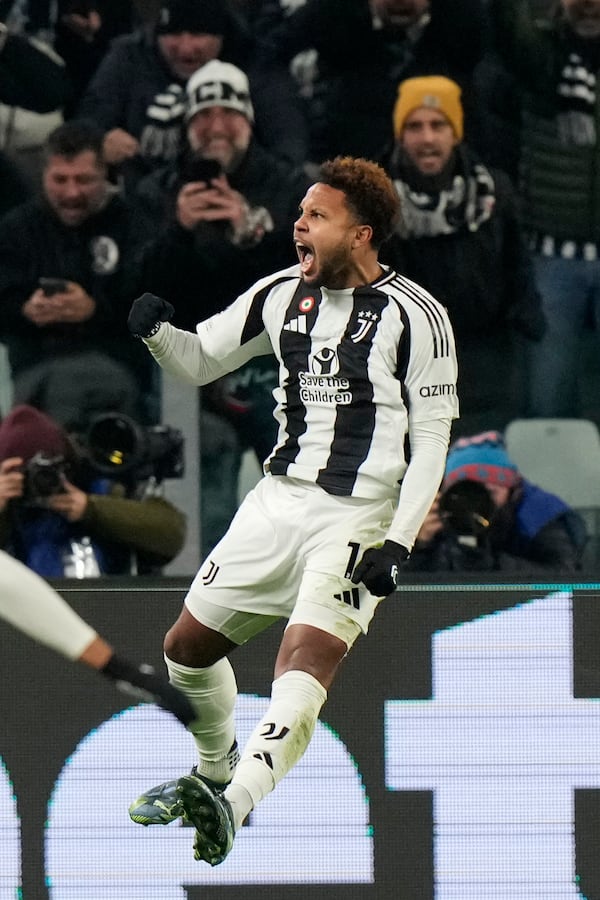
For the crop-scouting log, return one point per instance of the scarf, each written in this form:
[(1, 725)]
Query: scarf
[(427, 210)]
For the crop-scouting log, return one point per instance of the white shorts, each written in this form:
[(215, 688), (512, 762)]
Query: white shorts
[(289, 553)]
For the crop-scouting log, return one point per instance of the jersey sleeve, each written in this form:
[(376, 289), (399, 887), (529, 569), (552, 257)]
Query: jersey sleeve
[(223, 343), (432, 371)]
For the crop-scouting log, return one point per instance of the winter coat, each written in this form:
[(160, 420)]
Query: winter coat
[(31, 78), (100, 255), (132, 75), (115, 528), (483, 276), (202, 271), (559, 179), (535, 531), (360, 67)]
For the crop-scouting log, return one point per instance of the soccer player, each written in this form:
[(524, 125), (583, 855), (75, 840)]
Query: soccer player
[(366, 396), (29, 603)]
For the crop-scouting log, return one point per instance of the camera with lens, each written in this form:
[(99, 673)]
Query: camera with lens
[(466, 508), (119, 447), (44, 477)]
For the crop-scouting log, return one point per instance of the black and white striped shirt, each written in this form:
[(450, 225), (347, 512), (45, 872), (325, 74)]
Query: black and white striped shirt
[(354, 365)]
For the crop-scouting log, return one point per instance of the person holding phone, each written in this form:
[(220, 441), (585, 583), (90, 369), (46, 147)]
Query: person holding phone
[(137, 91), (228, 206), (67, 260)]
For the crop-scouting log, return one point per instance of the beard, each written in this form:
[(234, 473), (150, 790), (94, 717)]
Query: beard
[(333, 272)]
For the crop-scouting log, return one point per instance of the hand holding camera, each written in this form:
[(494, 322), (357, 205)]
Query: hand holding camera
[(71, 502), (12, 480)]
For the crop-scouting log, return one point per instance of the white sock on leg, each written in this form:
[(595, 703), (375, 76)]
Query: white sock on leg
[(212, 692), (278, 741)]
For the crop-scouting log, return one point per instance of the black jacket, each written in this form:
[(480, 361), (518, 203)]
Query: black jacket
[(360, 67), (484, 277), (100, 255), (31, 78), (132, 74), (201, 272)]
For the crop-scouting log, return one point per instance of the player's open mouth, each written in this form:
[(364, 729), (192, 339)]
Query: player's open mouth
[(305, 255)]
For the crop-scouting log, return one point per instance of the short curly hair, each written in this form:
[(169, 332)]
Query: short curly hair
[(369, 191)]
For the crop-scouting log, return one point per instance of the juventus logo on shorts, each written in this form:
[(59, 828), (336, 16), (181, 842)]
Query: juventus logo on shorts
[(213, 570)]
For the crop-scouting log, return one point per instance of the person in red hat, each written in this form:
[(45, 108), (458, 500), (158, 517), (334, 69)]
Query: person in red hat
[(61, 519)]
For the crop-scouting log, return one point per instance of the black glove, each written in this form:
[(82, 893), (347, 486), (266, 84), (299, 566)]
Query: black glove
[(140, 683), (379, 568), (146, 314)]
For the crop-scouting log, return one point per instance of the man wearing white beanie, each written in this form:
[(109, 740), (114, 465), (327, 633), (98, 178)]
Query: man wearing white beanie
[(137, 94), (232, 204)]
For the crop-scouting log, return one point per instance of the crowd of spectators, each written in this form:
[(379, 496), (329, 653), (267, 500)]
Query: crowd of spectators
[(188, 133)]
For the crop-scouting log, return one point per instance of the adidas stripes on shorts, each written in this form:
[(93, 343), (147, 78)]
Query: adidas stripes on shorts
[(289, 553)]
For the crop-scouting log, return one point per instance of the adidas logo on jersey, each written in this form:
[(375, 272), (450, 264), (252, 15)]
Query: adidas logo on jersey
[(298, 325)]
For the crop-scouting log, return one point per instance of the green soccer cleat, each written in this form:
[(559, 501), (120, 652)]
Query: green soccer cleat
[(158, 806), (206, 808), (161, 805)]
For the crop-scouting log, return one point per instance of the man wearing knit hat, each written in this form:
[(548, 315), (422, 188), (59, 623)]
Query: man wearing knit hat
[(488, 516), (137, 93), (228, 227), (441, 97), (60, 517), (364, 48), (460, 237)]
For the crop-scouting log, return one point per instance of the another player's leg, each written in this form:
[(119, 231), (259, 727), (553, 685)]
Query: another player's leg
[(29, 603)]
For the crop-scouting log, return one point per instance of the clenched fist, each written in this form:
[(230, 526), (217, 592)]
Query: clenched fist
[(146, 314), (379, 568)]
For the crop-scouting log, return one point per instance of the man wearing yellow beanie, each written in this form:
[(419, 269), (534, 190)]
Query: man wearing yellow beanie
[(434, 92), (460, 238)]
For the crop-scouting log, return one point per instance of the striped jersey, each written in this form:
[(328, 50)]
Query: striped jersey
[(354, 366)]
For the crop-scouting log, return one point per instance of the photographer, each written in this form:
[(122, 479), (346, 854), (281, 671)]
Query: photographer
[(488, 517), (62, 516)]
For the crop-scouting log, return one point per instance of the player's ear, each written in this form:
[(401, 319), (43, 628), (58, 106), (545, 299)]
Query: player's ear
[(362, 236)]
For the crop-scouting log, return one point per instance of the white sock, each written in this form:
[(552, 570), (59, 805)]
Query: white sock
[(278, 741), (212, 692)]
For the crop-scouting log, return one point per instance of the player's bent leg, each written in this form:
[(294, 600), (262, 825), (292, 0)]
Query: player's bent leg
[(278, 742), (211, 815), (212, 691)]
